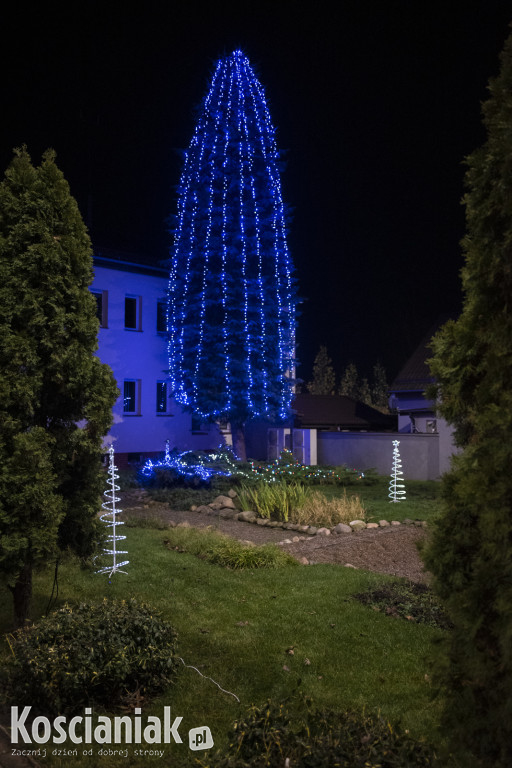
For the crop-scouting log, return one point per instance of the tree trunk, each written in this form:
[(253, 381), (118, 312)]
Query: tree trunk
[(22, 594), (238, 436)]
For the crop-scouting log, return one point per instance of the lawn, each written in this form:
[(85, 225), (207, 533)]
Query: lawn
[(238, 626)]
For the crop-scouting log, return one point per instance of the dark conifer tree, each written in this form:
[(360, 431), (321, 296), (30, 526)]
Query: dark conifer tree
[(471, 551), (55, 394), (231, 292), (324, 378)]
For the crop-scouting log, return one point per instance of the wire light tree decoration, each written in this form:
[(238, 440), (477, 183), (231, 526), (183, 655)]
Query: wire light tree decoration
[(396, 487), (110, 519)]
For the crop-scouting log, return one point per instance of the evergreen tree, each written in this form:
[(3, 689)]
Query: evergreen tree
[(364, 394), (231, 292), (380, 389), (55, 394), (349, 385), (324, 379), (471, 551)]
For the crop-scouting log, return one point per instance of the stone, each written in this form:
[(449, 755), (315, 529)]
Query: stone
[(232, 494), (303, 561), (228, 514), (424, 524), (203, 508), (295, 539), (262, 521), (248, 543), (224, 501), (193, 507), (342, 528), (303, 528), (357, 525), (383, 523), (406, 521), (285, 541), (294, 527), (418, 523), (395, 522), (274, 524), (372, 525), (184, 524), (312, 530), (349, 565), (247, 516), (323, 532)]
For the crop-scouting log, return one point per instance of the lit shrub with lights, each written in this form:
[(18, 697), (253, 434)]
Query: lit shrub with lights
[(189, 469), (90, 654), (287, 469)]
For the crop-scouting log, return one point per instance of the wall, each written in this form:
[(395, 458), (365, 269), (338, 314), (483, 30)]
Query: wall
[(365, 450), (141, 355)]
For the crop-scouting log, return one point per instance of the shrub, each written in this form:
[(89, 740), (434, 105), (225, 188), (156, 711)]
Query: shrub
[(287, 469), (276, 500), (275, 733), (216, 548), (318, 509), (92, 653)]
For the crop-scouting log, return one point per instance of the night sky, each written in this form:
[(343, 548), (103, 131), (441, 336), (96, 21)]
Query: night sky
[(376, 105)]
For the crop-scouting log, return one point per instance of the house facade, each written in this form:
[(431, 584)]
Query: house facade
[(130, 297)]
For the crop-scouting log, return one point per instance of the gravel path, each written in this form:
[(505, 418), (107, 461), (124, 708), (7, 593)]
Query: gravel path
[(384, 550)]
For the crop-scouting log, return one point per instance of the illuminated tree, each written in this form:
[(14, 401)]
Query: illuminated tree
[(231, 292), (56, 396)]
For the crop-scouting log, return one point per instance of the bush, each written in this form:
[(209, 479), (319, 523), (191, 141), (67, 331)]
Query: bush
[(309, 738), (276, 500), (216, 548), (288, 470), (92, 653), (317, 509)]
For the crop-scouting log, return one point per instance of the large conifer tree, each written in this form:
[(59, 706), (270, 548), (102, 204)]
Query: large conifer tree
[(55, 394), (231, 294), (471, 552)]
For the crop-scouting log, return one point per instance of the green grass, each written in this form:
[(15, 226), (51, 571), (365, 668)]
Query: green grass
[(237, 627), (421, 503)]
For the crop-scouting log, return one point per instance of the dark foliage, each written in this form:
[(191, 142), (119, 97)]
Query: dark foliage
[(90, 654), (310, 738)]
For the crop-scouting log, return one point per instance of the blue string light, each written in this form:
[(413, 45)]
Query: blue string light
[(232, 302)]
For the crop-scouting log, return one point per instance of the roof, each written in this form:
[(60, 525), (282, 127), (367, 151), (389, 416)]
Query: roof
[(415, 376), (126, 261), (338, 412)]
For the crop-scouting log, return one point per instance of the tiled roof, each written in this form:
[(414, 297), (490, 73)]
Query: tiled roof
[(415, 375), (338, 411)]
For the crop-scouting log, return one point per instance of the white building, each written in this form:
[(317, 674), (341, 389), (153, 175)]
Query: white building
[(131, 301)]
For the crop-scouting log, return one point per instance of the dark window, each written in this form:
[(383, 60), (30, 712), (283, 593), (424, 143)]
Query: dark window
[(198, 425), (130, 397), (101, 298), (131, 312), (161, 317), (161, 397)]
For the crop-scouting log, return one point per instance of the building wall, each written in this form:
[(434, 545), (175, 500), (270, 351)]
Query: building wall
[(365, 450), (140, 355)]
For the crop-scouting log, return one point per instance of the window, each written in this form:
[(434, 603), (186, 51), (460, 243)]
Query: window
[(131, 396), (133, 313), (198, 426), (161, 316), (162, 397), (101, 307)]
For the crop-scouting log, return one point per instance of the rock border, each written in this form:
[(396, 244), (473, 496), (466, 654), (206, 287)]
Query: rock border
[(224, 507)]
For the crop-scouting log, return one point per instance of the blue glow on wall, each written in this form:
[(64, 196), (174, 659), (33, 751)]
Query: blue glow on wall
[(232, 300)]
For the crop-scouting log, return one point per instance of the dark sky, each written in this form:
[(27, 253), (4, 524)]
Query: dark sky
[(376, 104)]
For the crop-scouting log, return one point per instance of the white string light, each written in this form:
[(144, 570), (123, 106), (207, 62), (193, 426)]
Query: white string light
[(110, 519), (396, 487)]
